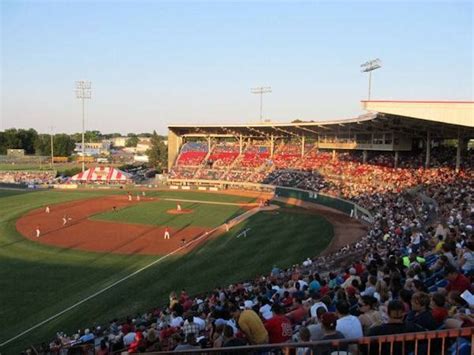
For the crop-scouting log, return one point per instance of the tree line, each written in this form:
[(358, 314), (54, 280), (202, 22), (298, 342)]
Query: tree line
[(35, 143)]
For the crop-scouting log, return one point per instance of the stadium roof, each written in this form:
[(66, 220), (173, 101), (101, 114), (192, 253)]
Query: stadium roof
[(443, 119), (448, 112)]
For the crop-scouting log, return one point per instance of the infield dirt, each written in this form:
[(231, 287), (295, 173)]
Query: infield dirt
[(101, 236)]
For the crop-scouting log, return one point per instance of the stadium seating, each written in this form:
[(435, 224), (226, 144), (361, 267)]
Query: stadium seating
[(192, 154)]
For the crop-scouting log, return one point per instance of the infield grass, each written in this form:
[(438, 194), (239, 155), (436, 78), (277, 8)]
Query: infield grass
[(38, 281), (155, 213)]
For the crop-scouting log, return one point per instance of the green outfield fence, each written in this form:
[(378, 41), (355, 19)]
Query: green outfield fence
[(347, 207)]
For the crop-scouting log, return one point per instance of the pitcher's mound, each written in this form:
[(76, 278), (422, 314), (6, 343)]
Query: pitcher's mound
[(183, 211)]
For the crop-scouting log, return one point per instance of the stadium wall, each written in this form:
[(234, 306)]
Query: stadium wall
[(349, 208), (344, 206)]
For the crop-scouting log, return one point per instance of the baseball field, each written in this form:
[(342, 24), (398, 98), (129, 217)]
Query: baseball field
[(110, 259)]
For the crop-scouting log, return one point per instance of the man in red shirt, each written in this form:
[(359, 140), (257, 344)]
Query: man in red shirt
[(457, 281), (278, 327), (298, 313)]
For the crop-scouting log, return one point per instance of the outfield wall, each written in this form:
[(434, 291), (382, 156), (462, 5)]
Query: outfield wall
[(347, 207)]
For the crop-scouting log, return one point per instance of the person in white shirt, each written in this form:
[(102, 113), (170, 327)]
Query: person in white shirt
[(347, 324)]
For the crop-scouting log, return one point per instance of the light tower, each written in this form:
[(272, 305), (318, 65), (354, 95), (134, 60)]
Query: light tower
[(370, 66), (261, 90), (83, 91)]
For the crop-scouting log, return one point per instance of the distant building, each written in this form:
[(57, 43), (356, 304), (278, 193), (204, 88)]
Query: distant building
[(15, 153), (94, 149), (143, 145), (119, 142), (141, 158)]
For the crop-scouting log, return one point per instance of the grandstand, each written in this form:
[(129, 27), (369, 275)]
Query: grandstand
[(391, 134)]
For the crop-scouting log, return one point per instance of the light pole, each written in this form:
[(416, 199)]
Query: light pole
[(370, 66), (261, 90), (83, 91)]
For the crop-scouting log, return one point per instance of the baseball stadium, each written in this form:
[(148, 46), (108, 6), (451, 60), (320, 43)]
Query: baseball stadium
[(350, 236)]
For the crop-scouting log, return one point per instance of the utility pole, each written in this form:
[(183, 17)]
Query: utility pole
[(83, 92), (261, 90), (368, 67)]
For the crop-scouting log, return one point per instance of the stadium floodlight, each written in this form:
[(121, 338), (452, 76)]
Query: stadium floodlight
[(261, 90), (83, 92), (369, 67)]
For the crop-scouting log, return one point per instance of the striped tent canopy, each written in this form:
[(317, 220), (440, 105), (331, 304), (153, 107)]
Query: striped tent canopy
[(105, 174)]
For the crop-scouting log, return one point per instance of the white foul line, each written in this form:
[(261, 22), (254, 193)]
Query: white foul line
[(237, 220), (107, 288)]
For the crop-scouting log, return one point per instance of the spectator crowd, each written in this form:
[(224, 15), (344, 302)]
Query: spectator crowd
[(27, 177)]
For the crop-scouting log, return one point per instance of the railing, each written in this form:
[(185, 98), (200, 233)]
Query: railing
[(452, 341)]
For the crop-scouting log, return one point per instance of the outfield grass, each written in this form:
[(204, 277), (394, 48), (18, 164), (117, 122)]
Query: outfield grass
[(38, 281), (154, 213), (6, 193)]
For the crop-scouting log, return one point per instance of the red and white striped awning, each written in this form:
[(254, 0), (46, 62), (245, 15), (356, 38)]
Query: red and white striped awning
[(102, 174)]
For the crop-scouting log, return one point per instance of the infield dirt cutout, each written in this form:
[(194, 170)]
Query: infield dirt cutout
[(183, 211)]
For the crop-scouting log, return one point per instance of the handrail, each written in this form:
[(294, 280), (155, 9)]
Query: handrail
[(370, 342)]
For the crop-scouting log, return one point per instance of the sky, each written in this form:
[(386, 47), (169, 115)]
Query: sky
[(156, 63)]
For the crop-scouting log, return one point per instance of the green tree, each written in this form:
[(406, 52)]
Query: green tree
[(111, 135), (92, 136), (9, 140), (18, 139), (158, 152), (43, 144), (132, 141), (63, 145), (28, 137)]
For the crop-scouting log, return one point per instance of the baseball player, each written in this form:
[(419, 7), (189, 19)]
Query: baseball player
[(167, 233), (47, 209), (38, 232), (65, 220), (178, 207)]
